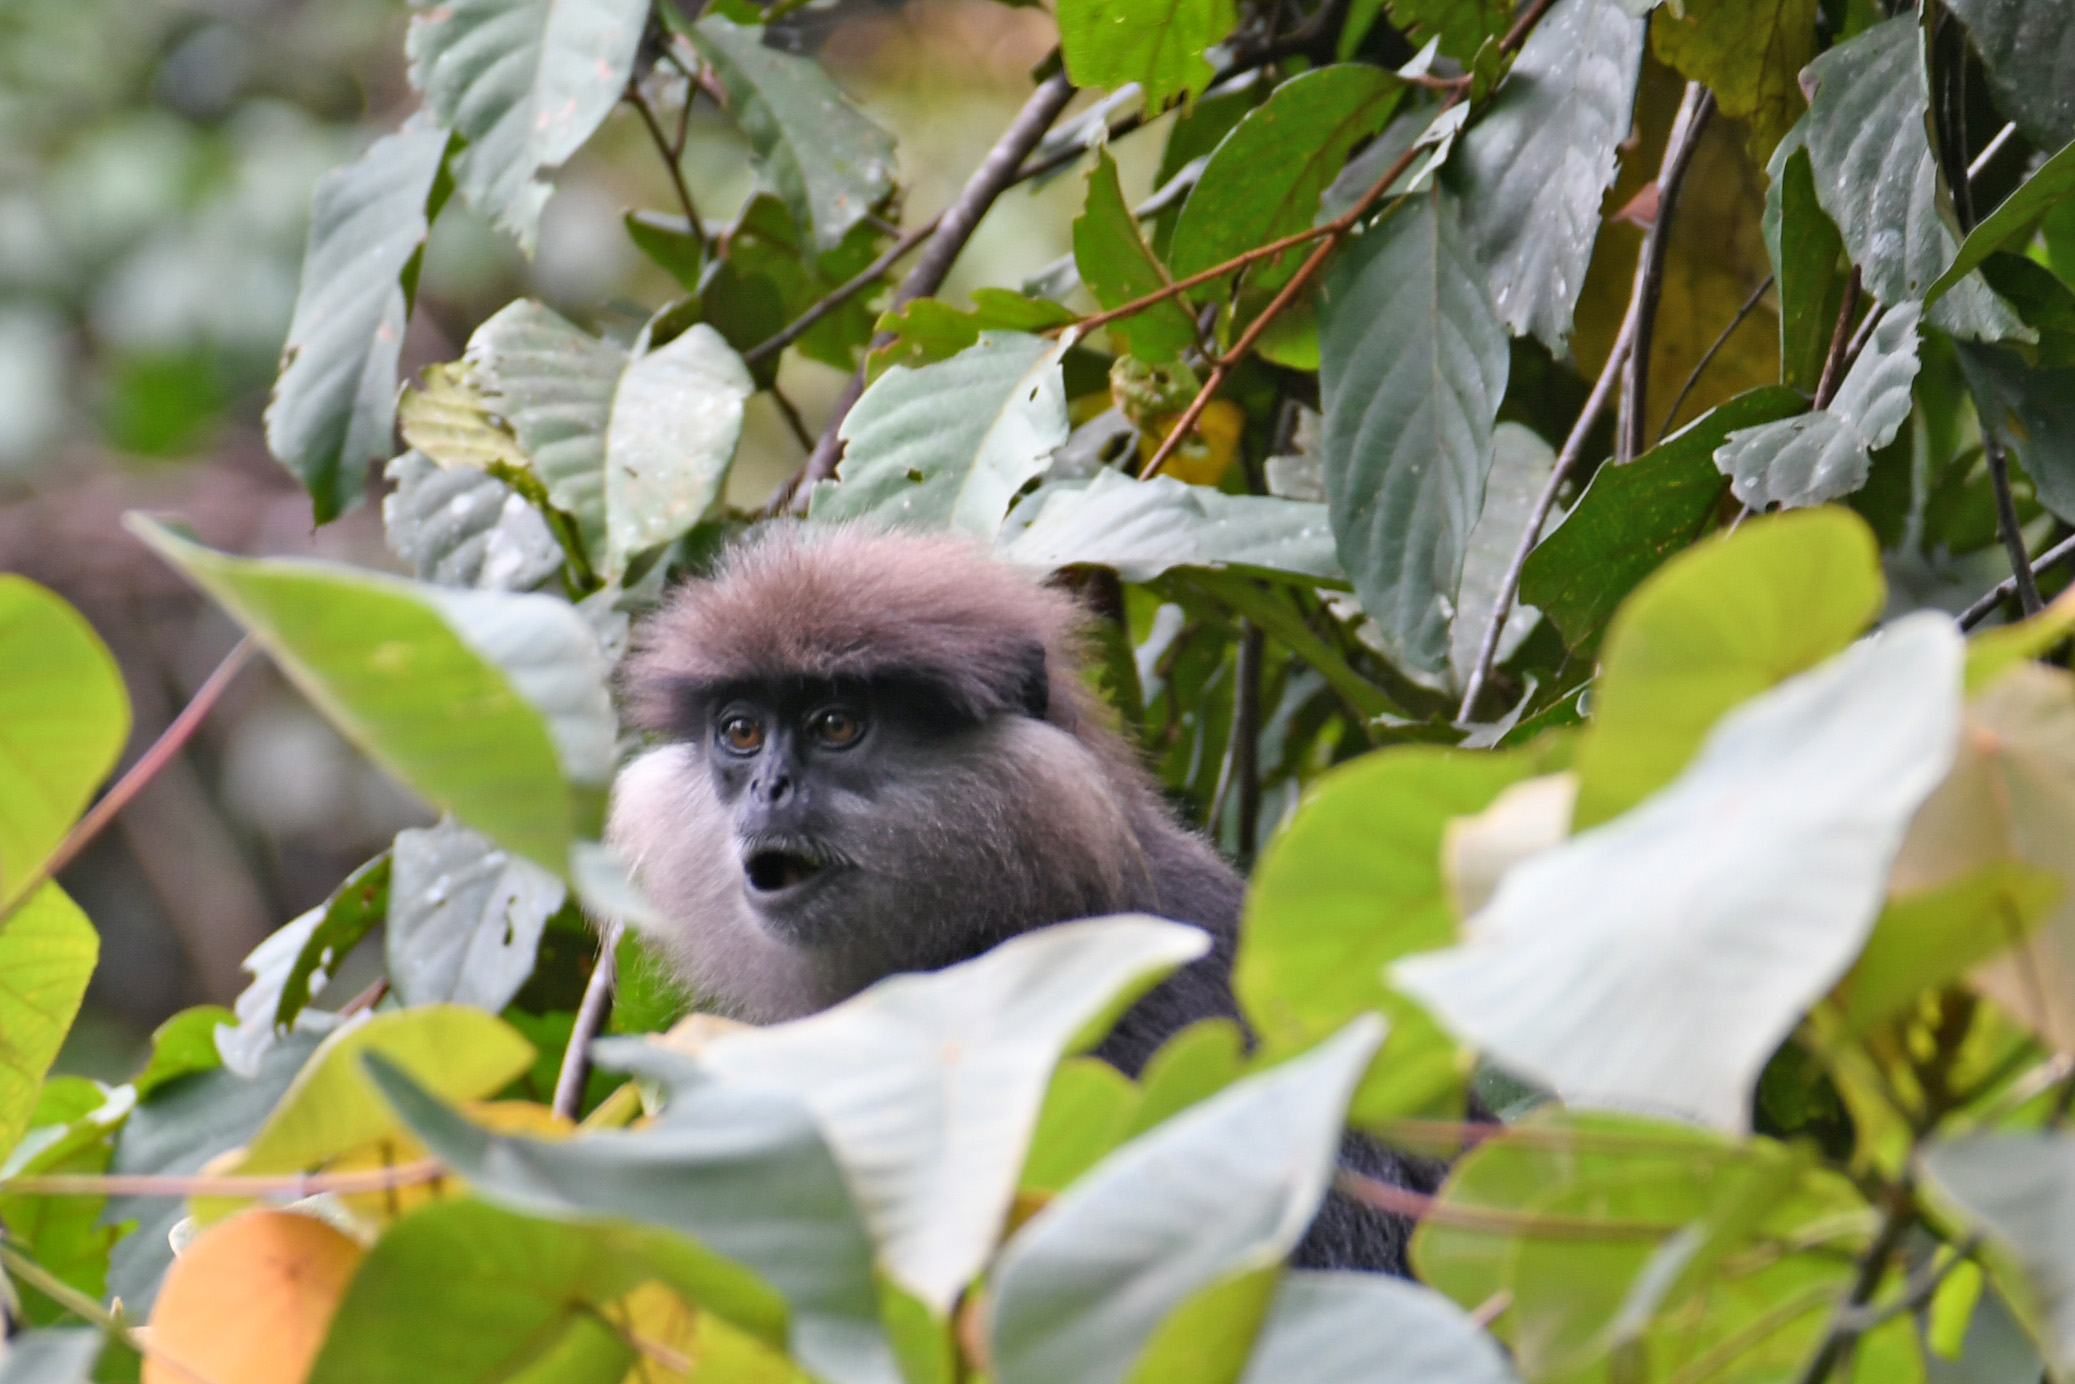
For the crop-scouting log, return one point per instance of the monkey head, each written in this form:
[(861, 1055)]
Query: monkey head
[(878, 755)]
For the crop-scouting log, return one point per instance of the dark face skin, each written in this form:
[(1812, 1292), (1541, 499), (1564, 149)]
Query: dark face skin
[(795, 764)]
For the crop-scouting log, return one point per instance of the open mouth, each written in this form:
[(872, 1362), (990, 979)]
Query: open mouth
[(776, 866)]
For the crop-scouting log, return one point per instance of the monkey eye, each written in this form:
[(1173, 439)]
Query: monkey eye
[(741, 733), (836, 727)]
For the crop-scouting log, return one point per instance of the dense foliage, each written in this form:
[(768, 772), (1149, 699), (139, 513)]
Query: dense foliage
[(1574, 775)]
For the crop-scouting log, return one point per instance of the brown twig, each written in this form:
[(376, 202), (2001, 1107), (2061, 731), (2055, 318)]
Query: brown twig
[(170, 743), (1694, 109), (841, 294), (590, 1017), (1708, 356), (792, 418), (288, 1186), (1496, 1220), (1840, 338), (1217, 271), (1873, 1266), (635, 99), (2007, 523), (1566, 460), (366, 999), (2003, 590)]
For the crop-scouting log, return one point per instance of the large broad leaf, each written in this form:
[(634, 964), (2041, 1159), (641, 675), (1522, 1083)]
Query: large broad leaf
[(1143, 529), (241, 1046), (463, 1293), (829, 163), (1748, 53), (1351, 884), (465, 918), (1415, 365), (490, 704), (927, 1087), (1264, 180), (1816, 457), (2011, 797), (52, 1355), (1157, 43), (1720, 625), (1878, 179), (2015, 215), (1521, 464), (1364, 1328), (1634, 517), (743, 1172), (464, 527), (72, 1131), (675, 420), (1807, 264), (2029, 49), (1654, 963), (2031, 410), (46, 954), (63, 718), (1534, 169), (949, 445), (525, 82), (2019, 1191), (182, 1126), (334, 407), (553, 385), (1118, 267), (1223, 1190)]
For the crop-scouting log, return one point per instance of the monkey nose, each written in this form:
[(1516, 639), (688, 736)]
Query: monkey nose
[(775, 789)]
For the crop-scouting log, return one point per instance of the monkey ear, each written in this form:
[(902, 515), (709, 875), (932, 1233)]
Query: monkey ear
[(1034, 691)]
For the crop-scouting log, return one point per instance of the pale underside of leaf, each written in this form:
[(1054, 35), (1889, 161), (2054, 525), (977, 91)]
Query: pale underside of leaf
[(675, 420), (465, 918)]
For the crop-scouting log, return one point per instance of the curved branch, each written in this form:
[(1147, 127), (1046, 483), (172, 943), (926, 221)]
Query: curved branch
[(1694, 109)]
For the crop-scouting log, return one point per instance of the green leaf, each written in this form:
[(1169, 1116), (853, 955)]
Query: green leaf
[(1351, 884), (927, 1087), (671, 242), (492, 705), (1925, 939), (2015, 215), (1748, 53), (1364, 1328), (926, 330), (460, 1292), (948, 446), (1876, 176), (1415, 365), (1717, 626), (72, 1132), (1807, 253), (1264, 180), (334, 406), (464, 918), (524, 82), (2032, 412), (676, 417), (553, 385), (1286, 624), (2031, 67), (1144, 529), (1118, 268), (1458, 26), (1191, 1067), (742, 1172), (830, 164), (47, 951), (1157, 43), (183, 1125), (1633, 518), (354, 909), (181, 1046), (1534, 169), (64, 716), (269, 964), (1655, 963), (464, 527), (1088, 1111), (2046, 304), (444, 415), (1824, 455), (331, 1107), (2019, 1191), (1521, 464), (1226, 1188)]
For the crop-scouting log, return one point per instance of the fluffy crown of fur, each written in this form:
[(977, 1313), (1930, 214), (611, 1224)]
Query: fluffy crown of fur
[(849, 602)]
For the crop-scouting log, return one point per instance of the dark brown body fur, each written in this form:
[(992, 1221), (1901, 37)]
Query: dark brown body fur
[(1004, 822)]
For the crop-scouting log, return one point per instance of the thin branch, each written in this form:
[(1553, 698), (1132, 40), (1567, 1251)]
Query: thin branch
[(1708, 357), (670, 162), (172, 740), (286, 1186), (90, 1309), (2007, 524), (2058, 555), (1862, 335), (841, 294), (1694, 109), (1840, 338), (590, 1017), (1873, 1266), (1523, 26), (1990, 150), (1497, 1220), (953, 229), (673, 1360), (792, 418), (1566, 460), (1217, 271)]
